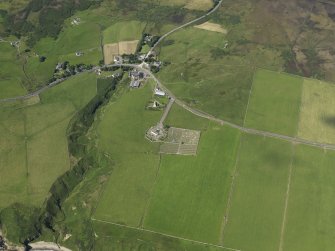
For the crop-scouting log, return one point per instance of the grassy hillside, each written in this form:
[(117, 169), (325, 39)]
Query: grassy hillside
[(34, 147)]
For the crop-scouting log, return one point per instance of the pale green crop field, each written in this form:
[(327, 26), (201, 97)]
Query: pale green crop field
[(317, 115)]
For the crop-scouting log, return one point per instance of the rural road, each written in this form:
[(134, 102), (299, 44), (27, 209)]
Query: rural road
[(180, 102), (217, 6), (48, 86), (224, 122)]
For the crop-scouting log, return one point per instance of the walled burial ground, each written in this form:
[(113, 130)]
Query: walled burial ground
[(180, 141)]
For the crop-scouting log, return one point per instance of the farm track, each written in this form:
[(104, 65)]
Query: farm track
[(166, 235), (217, 6), (282, 232)]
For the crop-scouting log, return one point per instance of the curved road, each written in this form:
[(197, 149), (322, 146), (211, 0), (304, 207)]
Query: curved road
[(217, 6), (181, 103)]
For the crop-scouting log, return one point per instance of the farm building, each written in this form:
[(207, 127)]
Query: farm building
[(135, 84), (159, 92)]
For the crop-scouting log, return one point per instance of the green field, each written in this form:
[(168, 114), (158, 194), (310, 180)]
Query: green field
[(33, 152), (256, 211), (193, 191), (317, 118), (205, 75), (124, 239), (121, 134), (241, 192), (310, 214), (123, 31), (85, 38), (274, 103), (11, 74)]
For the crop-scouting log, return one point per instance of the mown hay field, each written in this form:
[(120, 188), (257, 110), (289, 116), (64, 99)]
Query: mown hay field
[(317, 114), (110, 51), (211, 27), (117, 49)]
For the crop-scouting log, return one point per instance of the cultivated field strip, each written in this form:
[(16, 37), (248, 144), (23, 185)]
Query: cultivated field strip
[(167, 235)]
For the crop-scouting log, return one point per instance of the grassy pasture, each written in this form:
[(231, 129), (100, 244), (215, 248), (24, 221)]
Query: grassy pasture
[(120, 133), (256, 211), (123, 31), (218, 86), (317, 118), (11, 74), (33, 152), (274, 103), (131, 239), (310, 214), (191, 193), (84, 37), (180, 118)]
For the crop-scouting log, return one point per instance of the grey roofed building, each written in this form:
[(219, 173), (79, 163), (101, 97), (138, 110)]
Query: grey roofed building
[(135, 84)]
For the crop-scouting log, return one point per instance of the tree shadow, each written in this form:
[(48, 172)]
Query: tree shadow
[(329, 120)]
